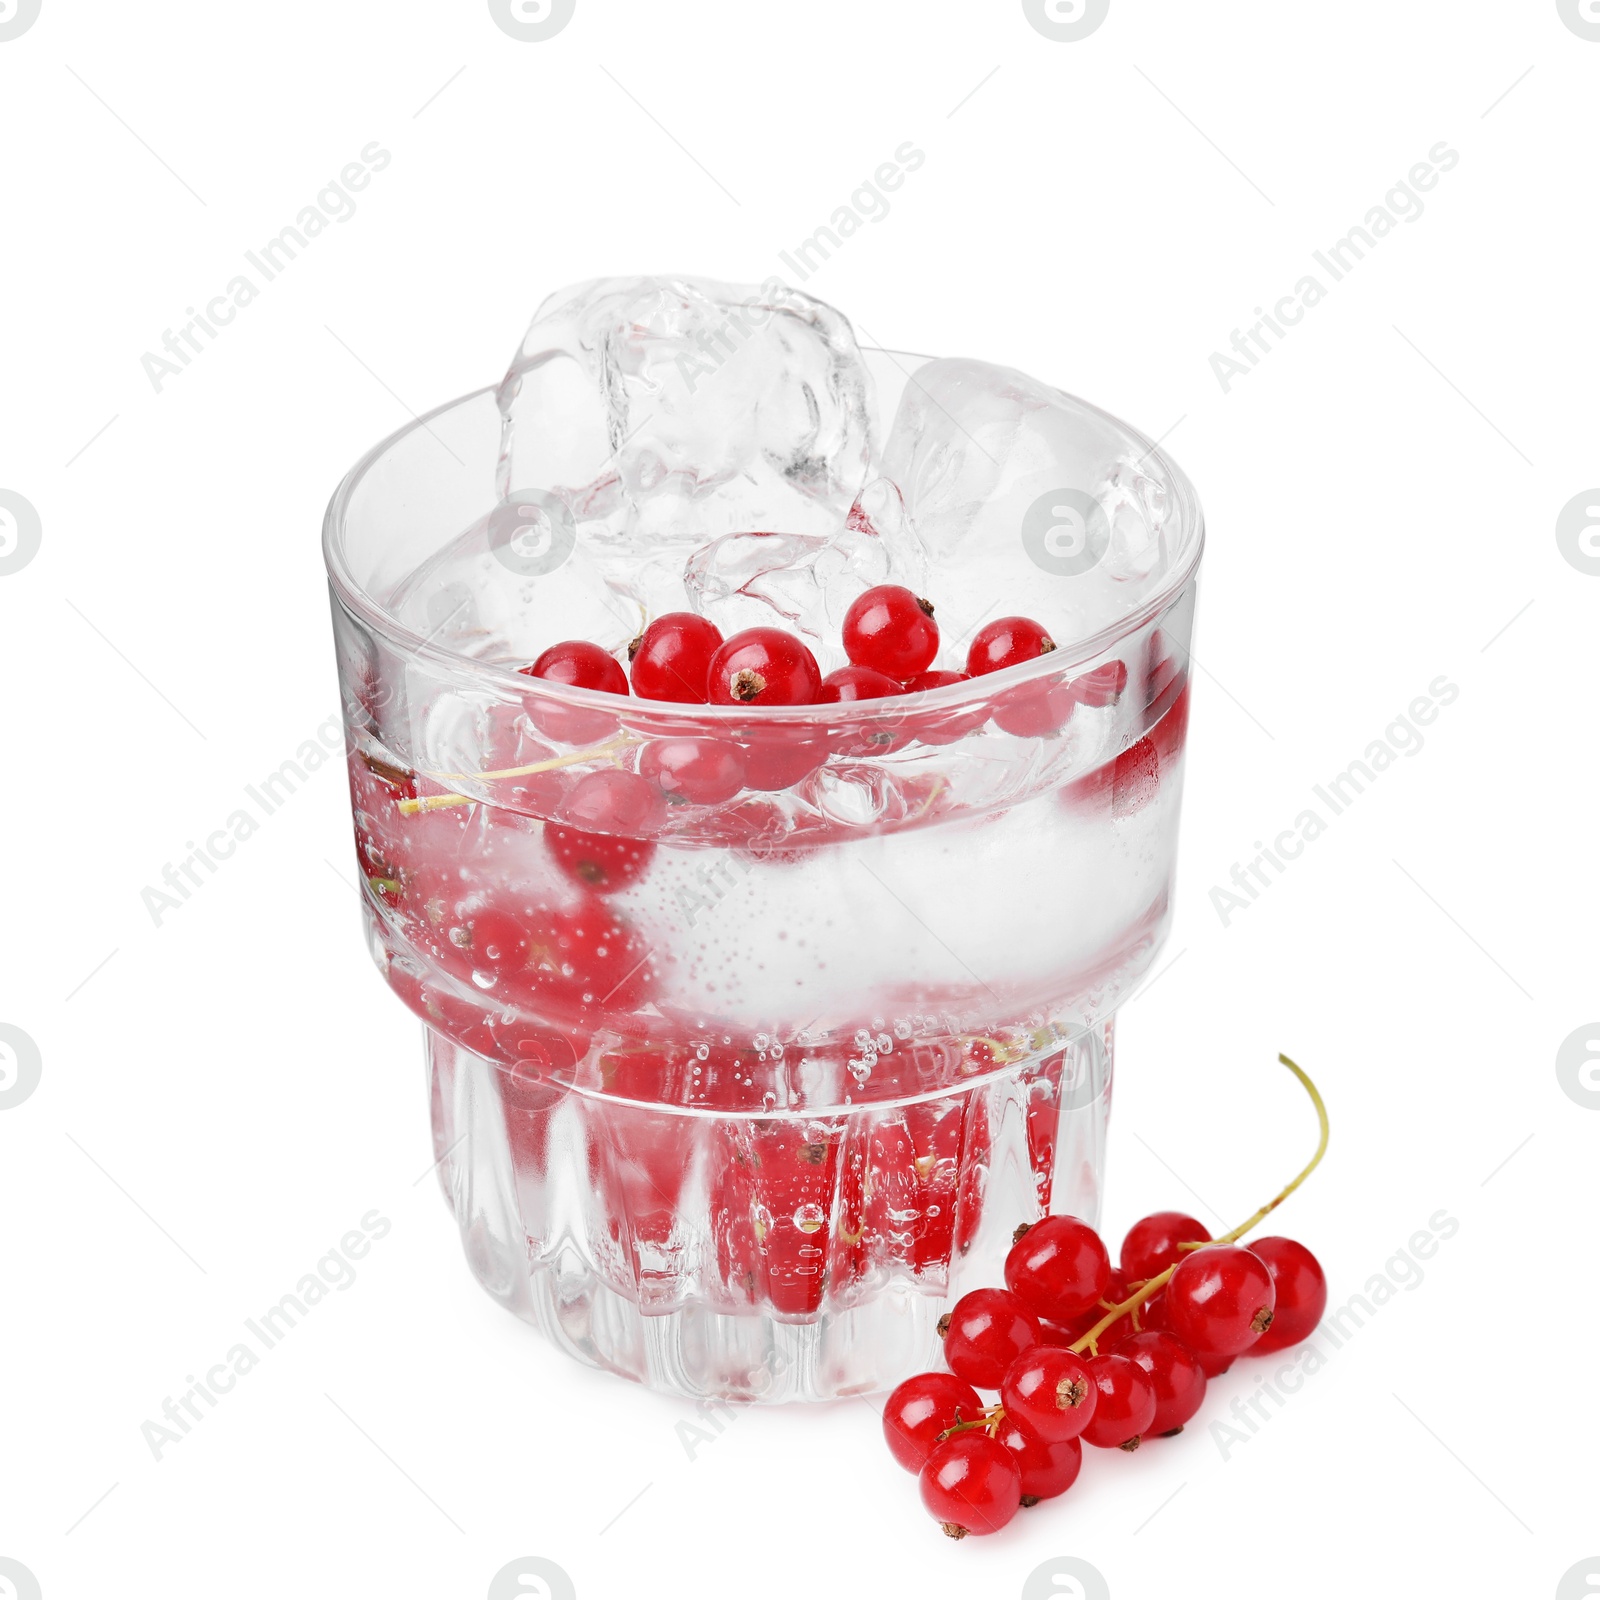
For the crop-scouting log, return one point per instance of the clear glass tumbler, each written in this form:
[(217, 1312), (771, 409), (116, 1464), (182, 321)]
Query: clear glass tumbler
[(734, 1098)]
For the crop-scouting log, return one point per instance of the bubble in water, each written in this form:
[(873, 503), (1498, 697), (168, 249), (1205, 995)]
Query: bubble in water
[(902, 1028), (762, 1040), (702, 1051), (885, 1044), (809, 1217)]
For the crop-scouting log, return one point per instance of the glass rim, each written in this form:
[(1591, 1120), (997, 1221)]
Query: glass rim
[(509, 683)]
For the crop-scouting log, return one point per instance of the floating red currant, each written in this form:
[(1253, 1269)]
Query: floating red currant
[(1058, 1268), (1007, 642), (1219, 1301), (764, 667), (696, 772), (1153, 1242), (1126, 1405), (891, 631), (920, 1409), (971, 1484), (671, 659), (1178, 1378), (856, 683), (984, 1332), (579, 665), (1050, 1392), (598, 843), (1300, 1293)]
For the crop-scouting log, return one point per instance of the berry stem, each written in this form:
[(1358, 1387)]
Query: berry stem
[(1149, 1287), (438, 802)]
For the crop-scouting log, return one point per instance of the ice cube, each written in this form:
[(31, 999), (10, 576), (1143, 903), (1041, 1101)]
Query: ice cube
[(1027, 499), (671, 411), (807, 583)]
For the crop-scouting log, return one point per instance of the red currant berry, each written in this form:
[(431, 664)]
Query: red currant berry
[(856, 683), (971, 1484), (1049, 1466), (764, 667), (694, 772), (1126, 1405), (921, 1409), (1219, 1301), (579, 665), (496, 942), (943, 727), (1050, 1392), (1058, 1268), (778, 757), (891, 631), (1006, 642), (1036, 710), (1103, 686), (984, 1333), (1179, 1379), (1152, 1243), (671, 659), (598, 841), (1300, 1293)]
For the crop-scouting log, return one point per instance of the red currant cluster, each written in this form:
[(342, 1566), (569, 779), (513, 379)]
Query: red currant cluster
[(1084, 1352), (889, 636)]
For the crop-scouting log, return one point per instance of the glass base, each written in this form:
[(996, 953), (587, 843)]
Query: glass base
[(752, 1257)]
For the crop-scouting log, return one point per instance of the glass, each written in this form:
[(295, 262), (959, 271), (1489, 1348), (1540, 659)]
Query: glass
[(734, 1098)]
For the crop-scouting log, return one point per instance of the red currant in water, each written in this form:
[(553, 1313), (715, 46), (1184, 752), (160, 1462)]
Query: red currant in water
[(1050, 1392), (1126, 1405), (1179, 1379), (944, 727), (984, 1333), (778, 757), (1300, 1293), (890, 630), (1058, 1268), (579, 665), (694, 772), (856, 683), (1219, 1301), (764, 667), (1152, 1244), (972, 1484), (1006, 642), (598, 841), (671, 659), (1049, 1466), (921, 1409), (496, 942)]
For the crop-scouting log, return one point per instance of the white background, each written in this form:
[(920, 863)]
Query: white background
[(222, 1097)]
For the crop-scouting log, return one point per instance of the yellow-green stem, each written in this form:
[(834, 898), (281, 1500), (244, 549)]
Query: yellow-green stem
[(1147, 1289)]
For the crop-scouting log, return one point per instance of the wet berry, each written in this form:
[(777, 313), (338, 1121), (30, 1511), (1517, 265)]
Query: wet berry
[(1007, 642), (1126, 1403), (1049, 1467), (1050, 1392), (598, 842), (891, 631), (671, 659), (984, 1332), (1219, 1301), (921, 1409), (1152, 1243), (764, 667), (695, 772), (1176, 1374), (1300, 1293), (971, 1484), (1058, 1268), (576, 664)]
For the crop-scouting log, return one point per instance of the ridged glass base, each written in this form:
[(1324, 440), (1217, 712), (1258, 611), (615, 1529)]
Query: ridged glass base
[(759, 1258)]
